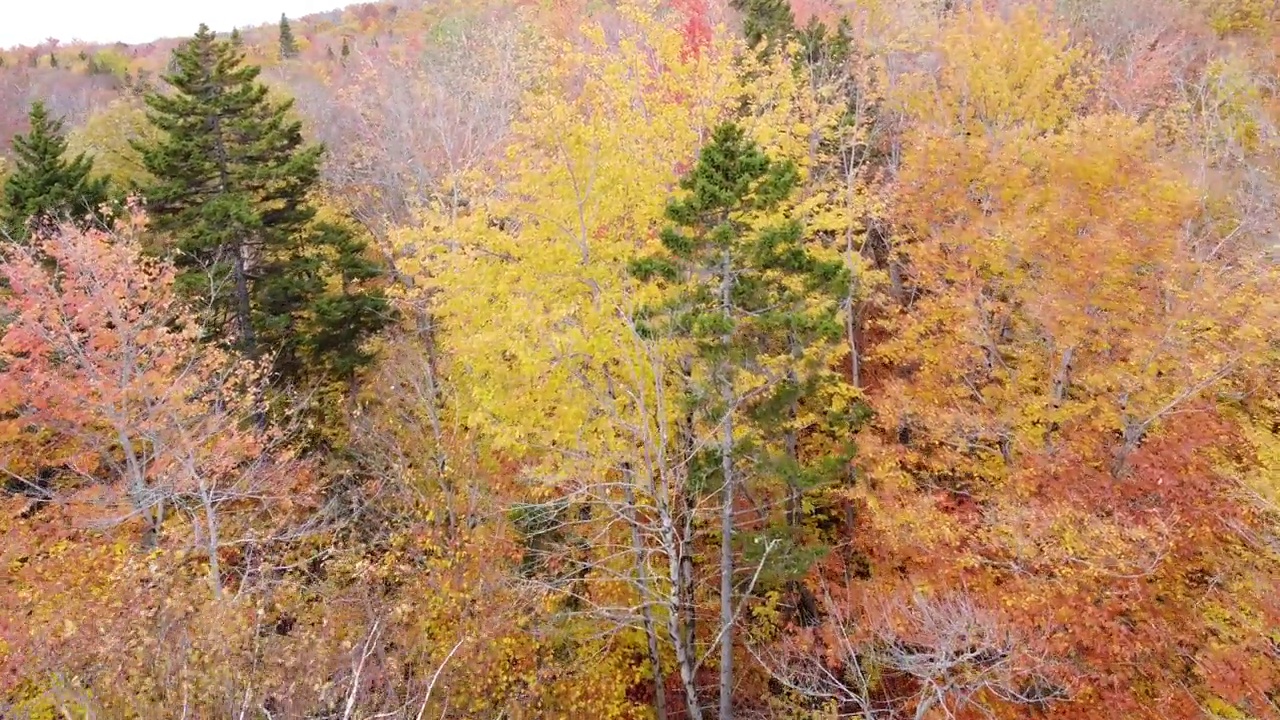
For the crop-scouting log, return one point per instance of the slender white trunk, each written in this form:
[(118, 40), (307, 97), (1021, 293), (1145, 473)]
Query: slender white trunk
[(726, 508)]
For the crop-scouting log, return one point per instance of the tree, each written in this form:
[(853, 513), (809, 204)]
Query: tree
[(45, 188), (232, 176), (288, 45), (340, 320), (101, 355), (766, 22), (752, 302), (346, 49), (108, 136)]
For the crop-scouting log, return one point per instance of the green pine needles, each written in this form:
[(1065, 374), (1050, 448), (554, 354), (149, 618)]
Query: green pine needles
[(45, 187), (233, 178)]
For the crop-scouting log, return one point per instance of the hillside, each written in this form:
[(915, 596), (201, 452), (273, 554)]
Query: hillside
[(671, 359)]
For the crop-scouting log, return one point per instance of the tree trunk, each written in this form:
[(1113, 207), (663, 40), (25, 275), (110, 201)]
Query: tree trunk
[(726, 565), (686, 659), (679, 611), (244, 311), (726, 508), (791, 439), (1133, 432), (851, 328), (688, 446), (244, 315), (646, 595), (211, 543)]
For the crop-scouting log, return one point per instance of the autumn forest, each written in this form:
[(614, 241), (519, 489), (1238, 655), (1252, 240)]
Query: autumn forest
[(646, 359)]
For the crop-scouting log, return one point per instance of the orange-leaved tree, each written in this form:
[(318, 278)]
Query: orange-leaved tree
[(107, 367)]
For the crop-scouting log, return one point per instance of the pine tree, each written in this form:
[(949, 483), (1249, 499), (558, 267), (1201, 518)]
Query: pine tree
[(232, 175), (766, 21), (346, 49), (46, 188), (53, 60), (341, 320), (749, 299), (288, 45)]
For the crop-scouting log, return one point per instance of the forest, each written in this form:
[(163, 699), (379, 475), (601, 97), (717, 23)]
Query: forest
[(646, 360)]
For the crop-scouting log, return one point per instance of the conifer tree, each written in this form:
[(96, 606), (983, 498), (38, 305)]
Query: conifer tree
[(766, 21), (45, 187), (288, 45), (748, 297), (232, 176), (346, 49), (340, 320)]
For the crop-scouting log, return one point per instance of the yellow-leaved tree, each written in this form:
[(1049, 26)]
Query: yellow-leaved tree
[(538, 320)]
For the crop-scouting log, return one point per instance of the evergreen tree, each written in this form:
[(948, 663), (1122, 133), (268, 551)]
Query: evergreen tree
[(328, 52), (750, 300), (44, 187), (232, 176), (341, 320), (823, 49), (346, 49), (766, 21), (53, 60), (288, 45)]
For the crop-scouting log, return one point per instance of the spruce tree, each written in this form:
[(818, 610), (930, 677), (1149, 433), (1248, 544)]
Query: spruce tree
[(45, 187), (232, 176), (346, 49), (340, 320), (288, 45), (748, 299), (766, 21)]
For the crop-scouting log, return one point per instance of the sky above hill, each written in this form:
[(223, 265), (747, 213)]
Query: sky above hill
[(28, 22)]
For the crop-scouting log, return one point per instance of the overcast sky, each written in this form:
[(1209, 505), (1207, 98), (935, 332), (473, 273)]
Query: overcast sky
[(28, 22)]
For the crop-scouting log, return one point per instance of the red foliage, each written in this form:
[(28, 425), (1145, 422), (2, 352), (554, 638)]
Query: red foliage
[(696, 24)]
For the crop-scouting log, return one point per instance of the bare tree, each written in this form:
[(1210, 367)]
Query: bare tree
[(921, 658)]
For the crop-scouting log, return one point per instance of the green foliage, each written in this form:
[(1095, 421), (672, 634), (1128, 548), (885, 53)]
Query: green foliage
[(45, 187), (341, 320), (232, 176), (758, 306), (288, 45), (767, 22)]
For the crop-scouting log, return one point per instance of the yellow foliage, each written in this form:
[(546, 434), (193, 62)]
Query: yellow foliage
[(1228, 17), (106, 137), (995, 74)]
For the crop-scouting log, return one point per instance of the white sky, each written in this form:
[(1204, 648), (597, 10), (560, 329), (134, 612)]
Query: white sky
[(28, 22)]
